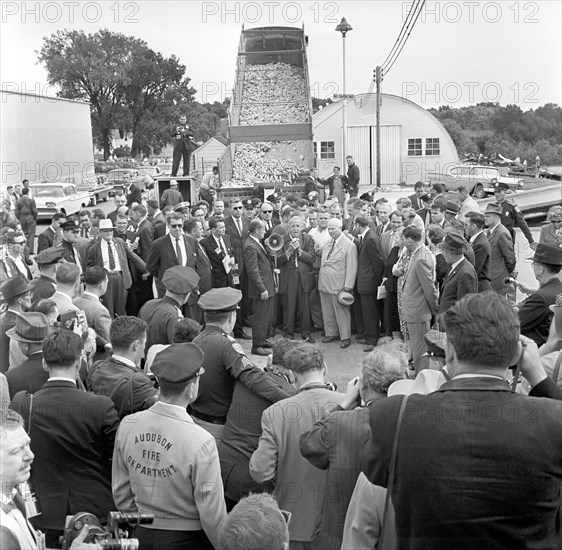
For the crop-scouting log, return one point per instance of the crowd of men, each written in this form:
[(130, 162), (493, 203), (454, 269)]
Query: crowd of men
[(128, 388)]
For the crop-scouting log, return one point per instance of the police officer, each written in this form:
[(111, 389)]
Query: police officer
[(511, 214), (162, 314), (166, 465), (225, 363), (183, 209)]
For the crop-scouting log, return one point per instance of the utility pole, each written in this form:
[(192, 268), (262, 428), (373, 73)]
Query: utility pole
[(378, 124)]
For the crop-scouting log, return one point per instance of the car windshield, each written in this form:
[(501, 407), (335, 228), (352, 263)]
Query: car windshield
[(48, 191)]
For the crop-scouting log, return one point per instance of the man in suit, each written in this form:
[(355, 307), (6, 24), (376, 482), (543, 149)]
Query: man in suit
[(120, 377), (388, 237), (16, 293), (133, 194), (417, 203), (277, 458), (114, 256), (481, 247), (120, 204), (171, 196), (419, 295), (155, 216), (463, 499), (141, 290), (383, 217), (29, 331), (461, 279), (52, 233), (370, 270), (26, 213), (502, 258), (266, 215), (218, 247), (468, 204), (338, 270), (296, 279), (183, 146), (535, 315), (261, 287), (86, 231), (162, 314), (425, 211), (170, 250), (334, 442), (73, 447), (97, 315)]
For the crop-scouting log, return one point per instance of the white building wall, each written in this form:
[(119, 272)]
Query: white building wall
[(206, 156), (401, 120), (44, 138)]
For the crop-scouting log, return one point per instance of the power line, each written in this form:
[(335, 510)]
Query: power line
[(400, 34), (405, 39)]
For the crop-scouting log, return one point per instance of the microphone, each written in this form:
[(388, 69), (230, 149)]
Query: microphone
[(509, 280)]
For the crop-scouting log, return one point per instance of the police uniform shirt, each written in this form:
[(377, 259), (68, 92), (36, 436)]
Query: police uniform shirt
[(511, 217)]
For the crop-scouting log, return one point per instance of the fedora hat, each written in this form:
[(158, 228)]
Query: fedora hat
[(13, 287), (345, 298), (30, 327), (105, 225), (493, 208), (546, 254), (427, 381)]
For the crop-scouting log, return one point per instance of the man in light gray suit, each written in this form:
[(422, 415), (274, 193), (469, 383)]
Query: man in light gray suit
[(96, 313), (338, 269), (419, 294)]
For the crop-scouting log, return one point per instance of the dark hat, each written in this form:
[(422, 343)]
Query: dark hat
[(368, 196), (493, 208), (178, 363), (256, 202), (439, 202), (435, 342), (452, 207), (425, 198), (180, 280), (68, 225), (454, 243), (49, 256), (30, 327), (274, 197), (476, 216), (249, 204), (181, 206), (220, 299), (13, 287), (547, 254), (500, 185)]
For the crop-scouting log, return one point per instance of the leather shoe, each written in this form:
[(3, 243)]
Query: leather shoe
[(361, 340), (368, 349), (328, 339), (345, 343), (267, 345), (242, 336), (260, 351)]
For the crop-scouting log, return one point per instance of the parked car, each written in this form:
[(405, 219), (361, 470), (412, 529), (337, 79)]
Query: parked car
[(152, 171), (95, 185), (116, 178), (51, 198), (479, 180)]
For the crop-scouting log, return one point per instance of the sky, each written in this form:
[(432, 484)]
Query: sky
[(458, 54)]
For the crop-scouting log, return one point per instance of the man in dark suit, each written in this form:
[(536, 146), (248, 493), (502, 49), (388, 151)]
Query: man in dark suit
[(461, 279), (425, 211), (334, 442), (219, 250), (261, 288), (388, 237), (29, 331), (170, 250), (370, 270), (183, 146), (73, 447), (132, 193), (266, 215), (47, 238), (114, 256), (453, 495), (16, 293), (120, 201), (416, 197), (296, 279), (481, 247), (535, 315), (155, 216)]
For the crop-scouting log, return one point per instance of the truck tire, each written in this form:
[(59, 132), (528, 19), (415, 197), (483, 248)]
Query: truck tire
[(479, 192)]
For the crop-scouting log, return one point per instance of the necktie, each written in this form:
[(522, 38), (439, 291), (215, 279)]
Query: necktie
[(223, 248), (331, 248), (178, 252), (111, 256), (239, 225)]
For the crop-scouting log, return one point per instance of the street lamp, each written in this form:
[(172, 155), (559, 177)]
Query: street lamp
[(344, 27)]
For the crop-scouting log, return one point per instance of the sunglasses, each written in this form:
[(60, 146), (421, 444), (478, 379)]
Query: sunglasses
[(237, 207), (176, 225), (267, 211)]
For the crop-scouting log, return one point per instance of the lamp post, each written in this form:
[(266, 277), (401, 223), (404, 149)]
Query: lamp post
[(344, 27)]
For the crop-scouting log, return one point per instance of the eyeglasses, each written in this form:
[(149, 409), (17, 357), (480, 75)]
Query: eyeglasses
[(267, 211), (176, 225), (237, 207)]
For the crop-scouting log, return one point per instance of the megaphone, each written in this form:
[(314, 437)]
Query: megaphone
[(274, 242)]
